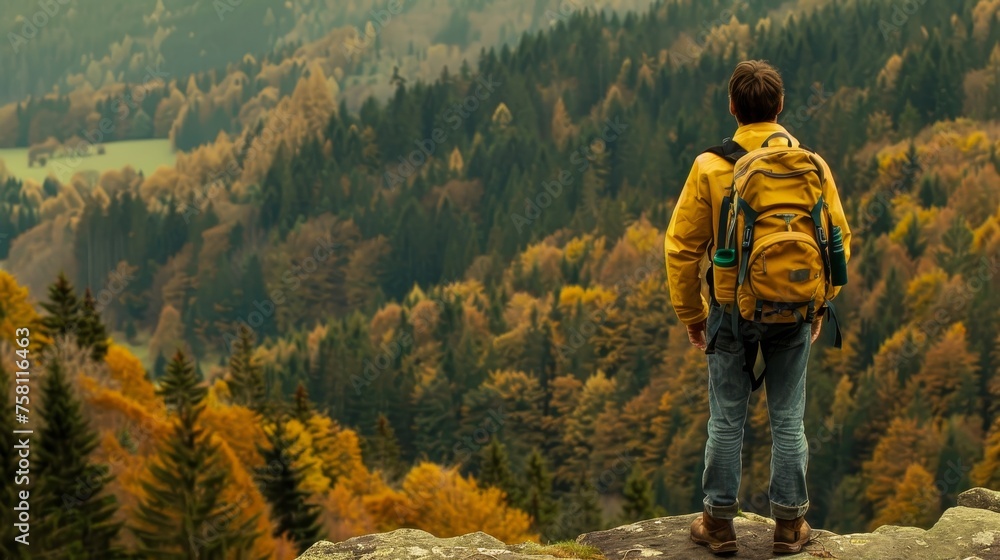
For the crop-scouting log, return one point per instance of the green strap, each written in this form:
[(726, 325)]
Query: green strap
[(817, 218), (831, 315), (749, 219), (727, 203), (748, 362)]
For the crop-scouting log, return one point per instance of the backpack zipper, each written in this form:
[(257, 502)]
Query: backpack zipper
[(788, 220)]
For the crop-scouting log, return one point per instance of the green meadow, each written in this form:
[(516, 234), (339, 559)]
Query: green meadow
[(142, 155)]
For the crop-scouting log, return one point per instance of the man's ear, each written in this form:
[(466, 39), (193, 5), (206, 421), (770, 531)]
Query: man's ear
[(732, 108), (781, 106)]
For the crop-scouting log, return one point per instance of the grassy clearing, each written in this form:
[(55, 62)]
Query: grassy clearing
[(142, 155), (565, 549)]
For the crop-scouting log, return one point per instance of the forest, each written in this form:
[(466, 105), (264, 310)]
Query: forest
[(445, 307)]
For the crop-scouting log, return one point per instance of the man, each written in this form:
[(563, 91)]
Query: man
[(756, 98)]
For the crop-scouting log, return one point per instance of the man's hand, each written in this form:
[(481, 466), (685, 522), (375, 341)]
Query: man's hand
[(817, 326), (696, 334)]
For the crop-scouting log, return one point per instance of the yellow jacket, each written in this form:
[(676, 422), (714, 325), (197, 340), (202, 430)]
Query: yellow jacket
[(695, 221)]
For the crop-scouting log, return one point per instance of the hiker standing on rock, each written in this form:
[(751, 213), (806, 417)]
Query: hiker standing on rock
[(766, 210)]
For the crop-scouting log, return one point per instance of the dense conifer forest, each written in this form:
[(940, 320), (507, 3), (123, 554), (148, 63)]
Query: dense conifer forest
[(440, 303)]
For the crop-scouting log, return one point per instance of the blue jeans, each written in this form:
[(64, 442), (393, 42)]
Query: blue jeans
[(785, 349)]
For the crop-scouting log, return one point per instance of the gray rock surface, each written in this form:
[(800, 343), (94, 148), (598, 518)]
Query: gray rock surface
[(961, 533), (980, 498), (413, 544), (970, 531)]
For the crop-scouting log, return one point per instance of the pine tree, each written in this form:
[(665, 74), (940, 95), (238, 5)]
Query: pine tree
[(301, 407), (63, 309), (280, 481), (159, 366), (383, 450), (537, 501), (91, 333), (79, 514), (639, 503), (182, 515), (581, 511), (495, 471), (246, 380)]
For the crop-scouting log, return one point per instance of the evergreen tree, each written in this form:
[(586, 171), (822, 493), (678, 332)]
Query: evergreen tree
[(280, 481), (79, 513), (581, 511), (91, 333), (639, 503), (63, 308), (246, 380), (537, 501), (159, 366), (383, 450), (435, 419), (182, 515), (495, 471), (301, 407)]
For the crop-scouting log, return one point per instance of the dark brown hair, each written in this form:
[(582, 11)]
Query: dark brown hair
[(756, 91)]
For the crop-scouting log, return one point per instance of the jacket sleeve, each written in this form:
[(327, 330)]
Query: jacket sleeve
[(685, 244), (837, 215)]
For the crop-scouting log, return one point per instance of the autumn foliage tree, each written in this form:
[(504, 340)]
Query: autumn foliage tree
[(280, 480), (181, 514), (80, 514)]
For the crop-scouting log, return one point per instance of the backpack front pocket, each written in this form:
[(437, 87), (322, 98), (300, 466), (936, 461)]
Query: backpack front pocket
[(785, 267)]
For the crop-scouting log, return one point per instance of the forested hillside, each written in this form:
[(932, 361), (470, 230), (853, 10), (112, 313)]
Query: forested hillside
[(134, 62), (447, 309)]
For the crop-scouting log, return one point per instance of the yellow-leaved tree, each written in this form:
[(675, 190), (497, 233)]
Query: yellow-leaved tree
[(904, 444), (16, 312), (986, 473), (916, 502), (444, 503)]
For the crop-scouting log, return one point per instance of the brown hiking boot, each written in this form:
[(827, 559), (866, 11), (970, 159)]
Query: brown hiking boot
[(790, 535), (719, 535)]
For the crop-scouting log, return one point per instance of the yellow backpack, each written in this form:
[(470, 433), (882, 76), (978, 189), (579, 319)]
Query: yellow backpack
[(773, 258)]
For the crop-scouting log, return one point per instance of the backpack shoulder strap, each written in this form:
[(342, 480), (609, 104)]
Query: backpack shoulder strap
[(729, 150)]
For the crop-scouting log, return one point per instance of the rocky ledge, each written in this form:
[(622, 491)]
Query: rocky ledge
[(969, 531)]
